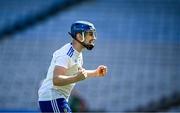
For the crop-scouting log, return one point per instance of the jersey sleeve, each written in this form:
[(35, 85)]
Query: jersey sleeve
[(62, 61)]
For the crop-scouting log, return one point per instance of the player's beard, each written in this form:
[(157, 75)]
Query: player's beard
[(88, 46)]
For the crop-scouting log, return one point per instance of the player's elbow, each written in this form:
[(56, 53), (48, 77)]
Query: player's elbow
[(55, 83)]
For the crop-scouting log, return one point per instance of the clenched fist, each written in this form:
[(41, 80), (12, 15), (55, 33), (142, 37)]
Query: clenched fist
[(101, 70), (82, 74)]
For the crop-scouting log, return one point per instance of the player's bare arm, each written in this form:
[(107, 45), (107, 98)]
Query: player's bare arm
[(61, 79), (99, 72)]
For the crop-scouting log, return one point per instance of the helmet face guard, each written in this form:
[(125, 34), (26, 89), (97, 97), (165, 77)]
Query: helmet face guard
[(83, 27)]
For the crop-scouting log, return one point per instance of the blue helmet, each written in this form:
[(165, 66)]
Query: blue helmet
[(81, 26)]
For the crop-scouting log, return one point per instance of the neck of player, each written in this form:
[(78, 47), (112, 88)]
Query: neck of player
[(77, 46)]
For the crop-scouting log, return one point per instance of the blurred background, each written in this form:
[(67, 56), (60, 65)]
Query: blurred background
[(139, 41)]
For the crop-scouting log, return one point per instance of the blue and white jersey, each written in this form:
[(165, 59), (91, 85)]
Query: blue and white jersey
[(68, 58)]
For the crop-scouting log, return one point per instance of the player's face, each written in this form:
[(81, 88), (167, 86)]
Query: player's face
[(90, 37)]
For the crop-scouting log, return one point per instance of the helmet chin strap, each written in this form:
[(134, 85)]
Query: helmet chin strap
[(87, 46), (83, 37)]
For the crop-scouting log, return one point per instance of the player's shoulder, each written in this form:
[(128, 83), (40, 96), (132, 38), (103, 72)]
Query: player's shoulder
[(63, 50)]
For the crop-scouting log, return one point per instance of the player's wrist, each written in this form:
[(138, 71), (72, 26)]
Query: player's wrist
[(91, 73), (96, 72), (81, 76)]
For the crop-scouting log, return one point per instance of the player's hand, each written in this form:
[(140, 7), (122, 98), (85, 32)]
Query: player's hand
[(82, 74), (101, 70)]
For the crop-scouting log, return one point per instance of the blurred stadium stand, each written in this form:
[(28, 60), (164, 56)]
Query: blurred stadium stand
[(139, 40)]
